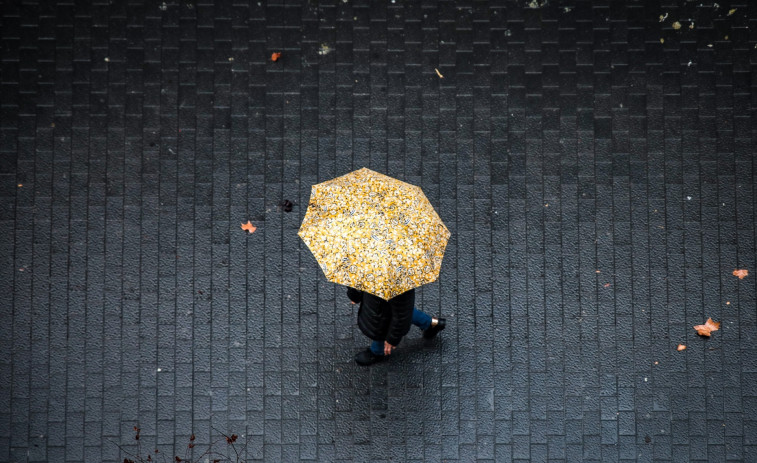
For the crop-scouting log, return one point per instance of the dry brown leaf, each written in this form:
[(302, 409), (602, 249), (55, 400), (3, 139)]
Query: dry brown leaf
[(741, 273), (275, 56), (681, 347), (708, 327), (676, 25), (249, 227)]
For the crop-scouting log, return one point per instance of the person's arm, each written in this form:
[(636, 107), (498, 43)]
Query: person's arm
[(402, 316), (355, 296), (388, 348)]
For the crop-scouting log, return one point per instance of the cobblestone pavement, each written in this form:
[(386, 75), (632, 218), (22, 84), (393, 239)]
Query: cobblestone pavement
[(594, 161)]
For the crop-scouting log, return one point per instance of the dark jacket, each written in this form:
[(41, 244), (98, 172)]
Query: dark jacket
[(383, 320)]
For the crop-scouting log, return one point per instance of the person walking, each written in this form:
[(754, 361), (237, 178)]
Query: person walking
[(382, 235), (386, 322)]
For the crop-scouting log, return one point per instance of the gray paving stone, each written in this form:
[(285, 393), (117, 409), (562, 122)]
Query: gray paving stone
[(594, 165)]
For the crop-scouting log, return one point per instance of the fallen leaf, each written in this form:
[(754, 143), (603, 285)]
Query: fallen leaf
[(708, 327), (741, 273), (676, 25), (275, 56), (731, 11), (681, 347), (439, 73), (249, 227), (662, 40), (663, 17)]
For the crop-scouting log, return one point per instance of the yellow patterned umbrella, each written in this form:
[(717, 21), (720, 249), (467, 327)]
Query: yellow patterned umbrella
[(374, 233)]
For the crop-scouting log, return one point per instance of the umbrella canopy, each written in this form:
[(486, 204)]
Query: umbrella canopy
[(374, 233)]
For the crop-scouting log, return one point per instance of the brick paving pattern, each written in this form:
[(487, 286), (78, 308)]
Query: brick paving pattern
[(594, 163)]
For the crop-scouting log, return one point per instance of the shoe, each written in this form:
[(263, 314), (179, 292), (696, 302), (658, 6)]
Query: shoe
[(433, 330), (366, 358)]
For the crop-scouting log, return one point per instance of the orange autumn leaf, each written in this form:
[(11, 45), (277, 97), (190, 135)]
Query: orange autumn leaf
[(681, 347), (249, 227), (708, 327), (275, 56), (741, 273)]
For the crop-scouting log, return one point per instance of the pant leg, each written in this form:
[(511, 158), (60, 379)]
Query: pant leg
[(421, 319), (377, 347)]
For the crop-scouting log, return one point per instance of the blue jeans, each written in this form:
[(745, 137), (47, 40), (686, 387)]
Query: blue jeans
[(420, 319)]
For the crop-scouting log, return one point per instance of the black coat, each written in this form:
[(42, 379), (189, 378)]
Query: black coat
[(383, 320)]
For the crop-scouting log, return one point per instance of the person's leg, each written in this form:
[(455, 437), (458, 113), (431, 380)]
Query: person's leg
[(431, 326), (377, 348), (371, 355), (421, 319)]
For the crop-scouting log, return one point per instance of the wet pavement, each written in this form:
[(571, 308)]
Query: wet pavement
[(594, 161)]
